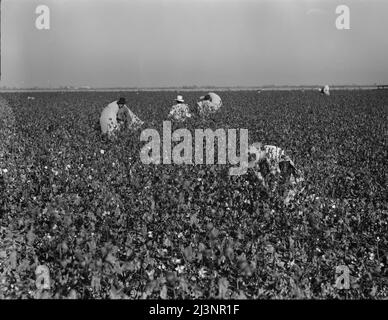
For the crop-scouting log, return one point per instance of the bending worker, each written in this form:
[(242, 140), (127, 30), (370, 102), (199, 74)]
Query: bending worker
[(116, 116), (209, 103), (273, 167), (180, 111)]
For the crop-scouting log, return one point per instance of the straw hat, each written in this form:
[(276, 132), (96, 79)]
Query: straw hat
[(179, 98)]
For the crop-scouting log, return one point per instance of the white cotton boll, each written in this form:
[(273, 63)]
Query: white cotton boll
[(5, 170), (202, 272), (102, 151), (180, 269)]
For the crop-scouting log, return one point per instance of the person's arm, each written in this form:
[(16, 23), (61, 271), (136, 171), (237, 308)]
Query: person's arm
[(172, 111), (188, 111), (133, 119)]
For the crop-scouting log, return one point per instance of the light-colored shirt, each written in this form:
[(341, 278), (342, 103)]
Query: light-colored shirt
[(326, 90), (206, 107), (180, 112), (273, 156), (215, 98)]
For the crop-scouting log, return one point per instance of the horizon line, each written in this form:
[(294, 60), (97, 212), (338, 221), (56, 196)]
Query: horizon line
[(188, 87)]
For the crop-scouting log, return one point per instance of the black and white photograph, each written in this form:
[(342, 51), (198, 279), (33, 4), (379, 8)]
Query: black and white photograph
[(211, 151)]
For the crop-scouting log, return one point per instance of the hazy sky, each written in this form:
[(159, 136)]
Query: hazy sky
[(152, 43)]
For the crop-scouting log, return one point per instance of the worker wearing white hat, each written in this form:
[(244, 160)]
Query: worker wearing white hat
[(209, 104), (325, 90), (180, 111)]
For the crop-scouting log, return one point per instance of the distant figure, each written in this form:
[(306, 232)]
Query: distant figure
[(325, 90), (116, 116), (30, 98), (272, 167), (180, 111), (209, 104)]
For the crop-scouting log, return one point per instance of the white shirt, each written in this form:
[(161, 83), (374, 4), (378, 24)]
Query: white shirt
[(215, 98), (325, 90), (206, 107)]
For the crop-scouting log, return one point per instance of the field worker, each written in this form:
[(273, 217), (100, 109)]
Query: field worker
[(325, 90), (180, 111), (127, 119), (209, 103), (117, 115), (271, 162)]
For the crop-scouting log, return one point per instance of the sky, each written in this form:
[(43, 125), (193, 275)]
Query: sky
[(173, 43)]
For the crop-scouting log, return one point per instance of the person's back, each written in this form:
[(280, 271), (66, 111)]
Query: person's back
[(272, 160), (325, 90), (216, 99), (180, 111), (209, 104)]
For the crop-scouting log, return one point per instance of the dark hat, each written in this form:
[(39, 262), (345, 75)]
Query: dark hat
[(121, 101)]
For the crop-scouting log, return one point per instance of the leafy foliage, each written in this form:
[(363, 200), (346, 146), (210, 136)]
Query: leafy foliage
[(107, 226)]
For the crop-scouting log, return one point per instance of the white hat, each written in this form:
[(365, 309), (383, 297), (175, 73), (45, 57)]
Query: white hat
[(179, 99)]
